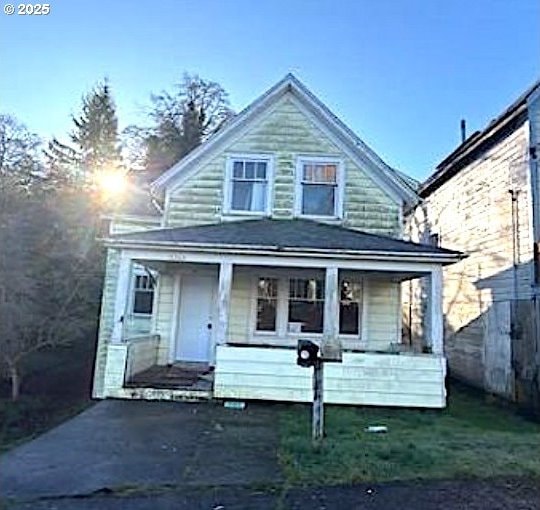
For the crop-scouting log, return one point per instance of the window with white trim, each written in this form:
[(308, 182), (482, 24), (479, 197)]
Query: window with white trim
[(319, 187), (143, 293), (350, 307), (267, 298), (306, 304), (248, 185), (299, 306)]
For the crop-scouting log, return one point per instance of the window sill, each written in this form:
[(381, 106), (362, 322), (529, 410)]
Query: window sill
[(329, 219), (232, 215)]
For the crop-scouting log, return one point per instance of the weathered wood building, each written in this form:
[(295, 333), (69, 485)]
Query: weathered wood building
[(483, 199)]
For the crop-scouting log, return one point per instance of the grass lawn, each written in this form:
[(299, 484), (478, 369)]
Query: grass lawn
[(471, 438)]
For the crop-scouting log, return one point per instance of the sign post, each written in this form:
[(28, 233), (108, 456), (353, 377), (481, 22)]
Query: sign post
[(310, 355), (317, 422)]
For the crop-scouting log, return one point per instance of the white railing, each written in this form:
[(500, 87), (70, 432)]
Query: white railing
[(142, 353)]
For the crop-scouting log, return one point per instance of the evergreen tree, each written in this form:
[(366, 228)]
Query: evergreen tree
[(94, 141)]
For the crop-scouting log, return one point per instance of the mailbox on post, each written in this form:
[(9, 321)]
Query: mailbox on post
[(311, 354), (308, 353)]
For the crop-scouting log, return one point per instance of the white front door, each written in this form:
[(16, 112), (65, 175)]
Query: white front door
[(194, 341)]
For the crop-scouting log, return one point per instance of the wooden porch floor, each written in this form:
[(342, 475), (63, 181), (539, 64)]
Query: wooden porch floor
[(183, 376)]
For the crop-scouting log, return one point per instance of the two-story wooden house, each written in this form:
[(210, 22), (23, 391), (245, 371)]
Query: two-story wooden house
[(282, 226)]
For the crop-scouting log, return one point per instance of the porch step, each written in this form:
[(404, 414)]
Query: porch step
[(196, 378)]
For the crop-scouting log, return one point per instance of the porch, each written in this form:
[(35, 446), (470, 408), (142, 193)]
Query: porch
[(242, 311), (184, 359)]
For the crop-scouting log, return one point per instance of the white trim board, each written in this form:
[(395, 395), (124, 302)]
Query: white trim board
[(285, 261)]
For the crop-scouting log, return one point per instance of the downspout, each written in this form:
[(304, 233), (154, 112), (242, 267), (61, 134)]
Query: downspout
[(515, 258)]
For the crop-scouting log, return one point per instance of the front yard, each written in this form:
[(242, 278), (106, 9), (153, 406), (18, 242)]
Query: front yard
[(469, 439)]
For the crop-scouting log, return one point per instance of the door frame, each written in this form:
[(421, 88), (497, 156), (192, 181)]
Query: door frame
[(175, 315)]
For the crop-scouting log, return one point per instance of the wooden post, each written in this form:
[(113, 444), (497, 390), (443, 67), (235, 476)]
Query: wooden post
[(331, 304), (317, 423), (435, 311), (121, 300), (224, 301)]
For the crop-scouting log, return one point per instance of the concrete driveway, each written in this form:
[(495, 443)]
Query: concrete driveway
[(133, 445)]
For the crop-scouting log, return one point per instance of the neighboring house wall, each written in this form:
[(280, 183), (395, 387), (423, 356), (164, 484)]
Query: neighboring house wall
[(533, 106), (473, 213), (285, 132)]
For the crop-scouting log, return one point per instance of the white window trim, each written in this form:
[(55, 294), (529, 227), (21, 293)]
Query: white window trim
[(361, 302), (282, 309), (138, 270), (227, 183), (253, 311), (340, 191)]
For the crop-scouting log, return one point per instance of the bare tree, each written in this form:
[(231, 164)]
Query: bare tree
[(182, 119), (49, 261), (19, 151)]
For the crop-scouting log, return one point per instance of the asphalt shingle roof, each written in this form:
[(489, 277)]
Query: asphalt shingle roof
[(282, 234)]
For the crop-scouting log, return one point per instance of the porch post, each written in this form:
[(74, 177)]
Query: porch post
[(121, 300), (435, 311), (331, 304), (224, 301)]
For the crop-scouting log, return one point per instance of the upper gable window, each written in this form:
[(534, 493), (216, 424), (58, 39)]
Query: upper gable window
[(248, 184), (319, 187)]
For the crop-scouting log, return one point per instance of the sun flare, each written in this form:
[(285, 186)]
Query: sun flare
[(111, 182)]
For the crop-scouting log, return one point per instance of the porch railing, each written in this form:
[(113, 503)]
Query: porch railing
[(142, 353)]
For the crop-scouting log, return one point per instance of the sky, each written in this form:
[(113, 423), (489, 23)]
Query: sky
[(400, 73)]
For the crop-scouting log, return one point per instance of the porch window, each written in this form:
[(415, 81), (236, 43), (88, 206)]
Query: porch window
[(248, 185), (143, 293), (267, 295), (306, 304), (350, 307), (319, 188)]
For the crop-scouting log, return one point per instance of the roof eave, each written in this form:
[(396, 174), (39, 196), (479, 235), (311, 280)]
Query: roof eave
[(442, 258), (476, 141)]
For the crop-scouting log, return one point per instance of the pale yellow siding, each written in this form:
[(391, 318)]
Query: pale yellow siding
[(239, 317), (163, 315), (105, 322), (383, 314), (286, 132)]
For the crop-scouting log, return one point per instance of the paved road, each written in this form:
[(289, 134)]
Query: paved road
[(123, 444), (149, 455), (476, 495)]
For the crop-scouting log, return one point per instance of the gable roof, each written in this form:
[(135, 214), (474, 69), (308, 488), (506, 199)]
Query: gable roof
[(281, 235), (398, 185), (479, 142)]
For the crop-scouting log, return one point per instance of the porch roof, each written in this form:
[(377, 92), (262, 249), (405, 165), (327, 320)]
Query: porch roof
[(280, 235)]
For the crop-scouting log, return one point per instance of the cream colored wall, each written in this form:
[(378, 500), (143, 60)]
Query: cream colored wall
[(163, 314), (383, 314), (285, 132)]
